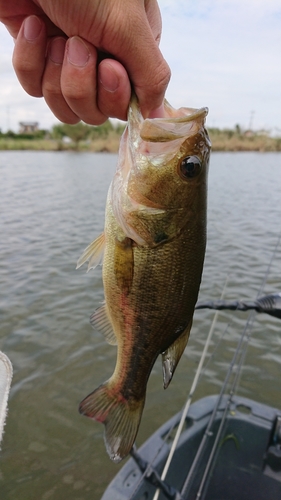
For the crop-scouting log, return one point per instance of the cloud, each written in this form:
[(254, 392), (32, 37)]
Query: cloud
[(15, 104), (224, 54)]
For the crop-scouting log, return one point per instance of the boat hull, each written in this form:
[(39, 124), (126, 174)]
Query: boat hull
[(246, 463)]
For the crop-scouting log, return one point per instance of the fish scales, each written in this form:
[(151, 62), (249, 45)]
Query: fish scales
[(154, 245)]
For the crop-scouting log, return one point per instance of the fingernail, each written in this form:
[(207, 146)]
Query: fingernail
[(56, 50), (32, 26), (108, 77), (77, 52)]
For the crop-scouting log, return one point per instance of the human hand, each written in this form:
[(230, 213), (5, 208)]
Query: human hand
[(83, 56)]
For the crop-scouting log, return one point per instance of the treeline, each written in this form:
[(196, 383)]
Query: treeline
[(77, 137), (238, 139), (82, 132), (106, 137)]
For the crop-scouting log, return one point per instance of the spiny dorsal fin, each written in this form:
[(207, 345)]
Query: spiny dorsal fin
[(93, 253), (100, 320), (172, 355)]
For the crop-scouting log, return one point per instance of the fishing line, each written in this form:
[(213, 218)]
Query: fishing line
[(217, 345), (269, 265)]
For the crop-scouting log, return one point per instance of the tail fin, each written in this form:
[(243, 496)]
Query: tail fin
[(120, 417)]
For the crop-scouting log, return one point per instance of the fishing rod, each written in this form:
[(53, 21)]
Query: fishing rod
[(269, 304)]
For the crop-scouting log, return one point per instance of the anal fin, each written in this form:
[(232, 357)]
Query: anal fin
[(100, 320), (172, 355), (93, 253)]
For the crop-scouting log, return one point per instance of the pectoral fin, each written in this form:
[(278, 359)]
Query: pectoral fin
[(93, 253), (124, 264), (100, 320), (172, 355)]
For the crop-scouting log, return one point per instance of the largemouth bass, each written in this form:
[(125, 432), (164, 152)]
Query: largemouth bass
[(154, 246)]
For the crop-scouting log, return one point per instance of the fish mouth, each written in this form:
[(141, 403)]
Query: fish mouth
[(182, 115), (176, 124)]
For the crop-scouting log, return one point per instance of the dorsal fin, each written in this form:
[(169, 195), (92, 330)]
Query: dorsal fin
[(93, 253), (100, 320)]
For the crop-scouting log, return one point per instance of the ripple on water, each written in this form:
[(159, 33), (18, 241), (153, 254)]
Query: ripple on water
[(52, 207)]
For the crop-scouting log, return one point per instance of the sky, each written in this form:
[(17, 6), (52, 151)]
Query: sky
[(223, 54)]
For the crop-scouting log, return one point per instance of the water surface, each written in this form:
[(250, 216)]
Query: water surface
[(51, 207)]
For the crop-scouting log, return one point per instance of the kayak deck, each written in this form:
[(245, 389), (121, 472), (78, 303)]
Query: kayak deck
[(247, 463)]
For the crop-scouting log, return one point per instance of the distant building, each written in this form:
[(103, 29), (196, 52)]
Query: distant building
[(249, 133), (28, 127)]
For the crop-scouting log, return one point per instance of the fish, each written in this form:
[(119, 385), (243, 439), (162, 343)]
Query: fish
[(152, 252)]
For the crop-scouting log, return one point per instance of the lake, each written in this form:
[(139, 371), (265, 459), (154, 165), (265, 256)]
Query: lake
[(51, 208)]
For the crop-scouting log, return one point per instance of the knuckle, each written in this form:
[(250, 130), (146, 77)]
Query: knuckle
[(163, 78), (28, 76), (92, 120), (51, 89), (115, 108), (83, 104), (62, 112), (73, 92), (157, 84), (151, 94), (23, 70), (69, 120)]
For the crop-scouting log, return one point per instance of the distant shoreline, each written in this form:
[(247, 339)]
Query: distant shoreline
[(227, 141)]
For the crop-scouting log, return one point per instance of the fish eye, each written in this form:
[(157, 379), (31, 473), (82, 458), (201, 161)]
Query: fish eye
[(190, 167)]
